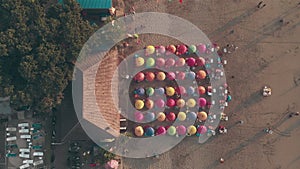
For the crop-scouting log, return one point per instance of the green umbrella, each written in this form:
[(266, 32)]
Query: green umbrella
[(171, 131), (150, 62), (192, 49), (149, 91)]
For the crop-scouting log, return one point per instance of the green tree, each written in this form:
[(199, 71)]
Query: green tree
[(39, 44)]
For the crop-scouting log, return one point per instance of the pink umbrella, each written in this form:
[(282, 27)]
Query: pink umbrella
[(169, 62), (112, 164), (171, 116), (191, 61), (160, 103), (201, 48), (171, 102), (138, 116), (180, 90), (180, 62), (200, 61), (201, 129), (181, 130), (161, 130), (160, 62), (202, 102), (161, 49), (171, 75), (180, 75), (181, 49)]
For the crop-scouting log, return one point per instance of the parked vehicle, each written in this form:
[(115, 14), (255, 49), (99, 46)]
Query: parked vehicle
[(23, 125), (24, 166), (36, 154), (24, 150), (11, 155), (24, 155), (11, 129), (37, 147), (36, 163), (27, 161), (14, 138), (25, 136)]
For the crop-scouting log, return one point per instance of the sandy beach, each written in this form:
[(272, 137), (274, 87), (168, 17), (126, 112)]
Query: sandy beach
[(268, 54)]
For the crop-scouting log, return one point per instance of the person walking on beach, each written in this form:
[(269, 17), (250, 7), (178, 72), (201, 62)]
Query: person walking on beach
[(260, 5)]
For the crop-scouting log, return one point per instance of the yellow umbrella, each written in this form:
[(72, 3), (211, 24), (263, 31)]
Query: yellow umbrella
[(139, 61), (191, 130), (150, 50), (181, 116), (139, 131), (191, 103), (202, 115), (161, 116), (170, 91), (139, 104), (180, 103), (161, 76)]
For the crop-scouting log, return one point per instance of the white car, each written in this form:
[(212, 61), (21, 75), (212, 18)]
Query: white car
[(23, 125), (35, 154), (25, 150), (38, 162), (24, 166), (24, 130), (23, 155), (11, 129), (25, 136), (11, 138), (27, 161)]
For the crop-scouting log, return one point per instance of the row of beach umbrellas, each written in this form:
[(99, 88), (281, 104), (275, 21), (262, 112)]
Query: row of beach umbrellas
[(161, 76), (170, 116), (169, 91), (178, 50), (160, 103), (170, 130)]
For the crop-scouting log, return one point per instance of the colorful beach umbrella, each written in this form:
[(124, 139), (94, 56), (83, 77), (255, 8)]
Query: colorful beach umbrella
[(139, 77), (171, 116), (150, 50), (139, 131), (170, 91), (160, 91), (171, 102), (180, 103), (201, 48), (190, 90), (160, 62), (180, 75), (150, 76), (191, 116), (161, 116), (181, 130), (140, 91), (180, 90), (171, 130), (171, 49), (161, 130), (161, 49), (202, 115), (202, 102), (149, 117), (149, 131), (139, 61), (191, 75), (161, 76), (201, 74), (191, 103), (181, 116), (201, 129), (229, 98), (180, 62), (191, 130), (139, 104), (150, 62)]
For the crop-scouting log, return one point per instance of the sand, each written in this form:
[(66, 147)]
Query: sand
[(268, 54)]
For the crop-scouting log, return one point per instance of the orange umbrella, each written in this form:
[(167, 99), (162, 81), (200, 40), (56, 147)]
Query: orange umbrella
[(161, 116), (201, 90), (180, 103), (202, 115), (149, 103), (201, 74), (161, 76)]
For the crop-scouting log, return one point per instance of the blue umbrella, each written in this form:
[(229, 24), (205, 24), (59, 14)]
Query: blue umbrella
[(149, 132), (149, 117), (140, 91), (191, 116), (191, 75), (160, 91), (190, 90)]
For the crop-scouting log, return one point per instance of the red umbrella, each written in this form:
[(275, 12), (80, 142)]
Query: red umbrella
[(201, 74), (171, 49), (201, 129), (181, 130), (200, 61), (171, 116), (161, 130), (160, 62), (181, 49), (171, 102), (201, 90), (150, 76), (191, 61), (171, 75), (202, 102), (139, 77)]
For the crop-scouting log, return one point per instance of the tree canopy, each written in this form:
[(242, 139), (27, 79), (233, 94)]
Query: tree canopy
[(39, 44)]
